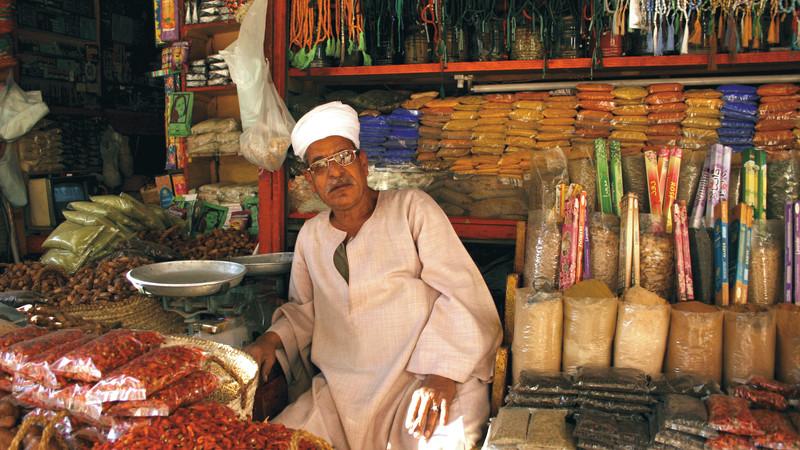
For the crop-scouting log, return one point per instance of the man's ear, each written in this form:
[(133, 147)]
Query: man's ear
[(363, 160), (310, 180)]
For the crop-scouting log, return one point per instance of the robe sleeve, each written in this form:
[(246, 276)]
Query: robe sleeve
[(294, 321), (463, 332)]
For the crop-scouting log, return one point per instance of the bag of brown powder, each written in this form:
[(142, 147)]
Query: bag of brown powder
[(787, 317), (695, 340), (749, 343), (590, 316), (642, 329), (537, 332)]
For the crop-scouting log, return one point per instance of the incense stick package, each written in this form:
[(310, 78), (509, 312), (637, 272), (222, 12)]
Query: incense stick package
[(687, 255), (568, 234), (625, 265), (721, 285), (738, 238), (761, 158), (673, 174), (725, 174), (788, 253), (581, 227), (679, 266), (747, 252), (796, 239), (573, 245), (603, 182), (714, 184), (750, 183), (636, 277), (587, 253), (698, 211), (653, 193), (616, 176), (663, 166)]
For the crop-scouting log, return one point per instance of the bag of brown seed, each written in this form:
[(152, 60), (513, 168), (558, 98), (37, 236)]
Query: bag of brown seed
[(657, 264), (582, 171), (548, 170), (766, 263), (787, 317), (749, 343), (694, 345), (542, 248), (604, 248), (634, 178)]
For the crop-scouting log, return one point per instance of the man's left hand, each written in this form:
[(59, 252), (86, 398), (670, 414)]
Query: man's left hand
[(428, 408)]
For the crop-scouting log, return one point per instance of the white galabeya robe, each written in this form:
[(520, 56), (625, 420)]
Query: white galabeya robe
[(415, 305)]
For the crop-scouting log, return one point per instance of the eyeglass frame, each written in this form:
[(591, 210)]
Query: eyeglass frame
[(332, 159)]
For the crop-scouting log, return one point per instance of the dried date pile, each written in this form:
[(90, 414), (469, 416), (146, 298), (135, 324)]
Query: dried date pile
[(218, 244)]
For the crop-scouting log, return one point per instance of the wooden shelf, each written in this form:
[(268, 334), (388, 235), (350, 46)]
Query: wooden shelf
[(466, 227), (225, 89), (53, 36), (691, 60), (201, 30), (8, 64)]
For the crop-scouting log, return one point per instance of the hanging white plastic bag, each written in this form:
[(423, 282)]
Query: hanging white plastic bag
[(19, 110), (266, 121), (12, 185)]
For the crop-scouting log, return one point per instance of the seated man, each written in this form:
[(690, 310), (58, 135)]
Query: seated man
[(386, 302)]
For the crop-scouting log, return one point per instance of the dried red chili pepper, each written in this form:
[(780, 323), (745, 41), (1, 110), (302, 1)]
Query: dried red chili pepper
[(764, 399), (96, 358), (191, 389), (730, 442), (787, 390), (779, 431), (39, 369), (20, 335), (15, 355), (731, 415)]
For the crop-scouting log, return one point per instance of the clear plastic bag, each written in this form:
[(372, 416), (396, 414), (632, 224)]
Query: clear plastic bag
[(613, 431), (668, 108), (628, 136), (556, 383), (727, 441), (14, 357), (631, 110), (596, 105), (492, 113), (541, 400), (657, 256), (707, 103), (582, 171), (594, 87), (542, 250), (19, 111), (72, 237), (679, 440), (660, 98), (604, 248), (630, 92), (640, 341), (509, 428), (537, 332), (666, 118), (788, 342), (704, 123), (147, 374), (749, 343), (548, 430), (38, 368), (775, 125), (595, 96), (547, 171), (460, 125), (686, 384), (97, 358), (266, 121), (590, 315), (695, 340), (782, 182), (777, 89), (595, 116), (779, 432), (760, 398), (190, 389), (630, 120), (702, 93), (766, 263), (779, 137), (731, 415), (625, 380), (685, 414), (559, 113)]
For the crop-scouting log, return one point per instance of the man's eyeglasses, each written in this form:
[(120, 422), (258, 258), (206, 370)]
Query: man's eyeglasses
[(342, 158)]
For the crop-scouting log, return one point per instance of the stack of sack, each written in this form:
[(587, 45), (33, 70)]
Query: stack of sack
[(403, 137), (558, 125), (489, 135), (682, 422), (667, 110), (525, 121), (214, 137), (702, 118), (596, 103), (456, 139), (739, 116), (432, 119), (197, 76), (777, 116), (630, 118), (373, 134)]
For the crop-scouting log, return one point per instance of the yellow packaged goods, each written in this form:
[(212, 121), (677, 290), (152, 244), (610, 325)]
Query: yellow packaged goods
[(628, 136), (668, 108), (492, 121), (471, 100), (487, 141), (630, 120), (702, 93), (519, 141), (532, 95), (529, 104), (416, 103), (630, 92), (598, 132), (708, 103), (538, 321), (484, 135), (634, 128), (562, 129), (452, 153), (693, 144), (526, 115), (521, 133), (492, 113), (437, 111), (480, 149), (455, 143), (749, 343), (542, 136), (631, 110), (466, 134), (558, 121), (489, 129), (701, 122), (430, 132), (436, 122), (642, 328), (561, 104), (462, 107), (703, 112), (426, 156), (460, 125), (699, 133), (590, 316), (624, 102), (666, 118), (787, 317), (695, 340), (500, 98), (664, 87), (546, 145), (465, 115), (523, 125), (595, 116), (425, 94), (594, 87), (500, 106), (597, 105), (443, 103), (560, 99), (555, 113)]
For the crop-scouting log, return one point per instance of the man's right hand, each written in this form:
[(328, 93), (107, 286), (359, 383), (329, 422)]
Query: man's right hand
[(263, 351)]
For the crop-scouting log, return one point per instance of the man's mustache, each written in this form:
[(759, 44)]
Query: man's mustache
[(337, 183)]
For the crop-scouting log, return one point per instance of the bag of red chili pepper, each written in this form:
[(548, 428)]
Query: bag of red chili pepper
[(730, 442), (94, 360), (731, 415), (38, 368), (147, 374), (20, 334), (787, 390), (190, 389), (6, 382), (15, 355), (780, 433), (763, 399)]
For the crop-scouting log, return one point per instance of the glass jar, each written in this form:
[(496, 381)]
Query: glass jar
[(527, 44), (568, 44), (417, 50)]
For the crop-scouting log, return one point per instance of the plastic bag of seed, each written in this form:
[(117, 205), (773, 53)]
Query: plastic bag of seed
[(634, 178), (604, 248), (679, 440), (542, 248), (766, 263), (782, 178), (548, 430), (685, 414), (612, 379), (657, 261)]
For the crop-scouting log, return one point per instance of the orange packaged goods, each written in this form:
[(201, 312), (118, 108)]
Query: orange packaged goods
[(191, 389), (699, 133), (661, 98), (594, 87), (595, 115), (530, 134), (563, 129), (455, 143), (780, 98), (98, 357), (442, 103), (147, 374), (451, 135), (627, 127), (487, 129), (706, 123), (568, 99), (712, 103), (732, 415), (628, 136), (522, 124), (437, 111), (13, 357), (471, 100), (551, 136), (780, 137), (702, 93), (668, 108), (666, 118), (555, 113), (21, 334), (631, 120), (597, 105), (669, 129), (460, 125), (592, 132), (558, 121), (536, 105), (467, 107), (660, 141), (767, 90), (500, 98), (592, 95), (38, 368), (664, 87), (465, 115), (493, 113), (624, 102), (631, 110), (774, 125), (540, 95), (778, 107), (630, 92), (493, 105)]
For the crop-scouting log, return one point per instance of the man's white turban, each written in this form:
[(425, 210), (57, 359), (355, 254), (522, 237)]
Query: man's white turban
[(330, 119)]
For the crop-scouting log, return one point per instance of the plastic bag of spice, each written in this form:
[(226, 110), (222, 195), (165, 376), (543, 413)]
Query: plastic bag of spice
[(190, 389), (657, 256), (548, 430), (13, 357), (20, 334), (542, 248), (537, 332), (582, 171), (731, 415), (548, 170), (634, 178), (685, 384), (541, 400), (766, 384), (509, 428), (749, 343), (612, 379), (695, 340), (685, 414), (787, 317), (607, 429), (38, 368), (766, 263), (642, 327), (691, 170), (590, 315), (727, 441), (779, 432), (782, 182), (760, 398), (679, 440), (545, 383), (98, 357), (614, 407), (604, 248)]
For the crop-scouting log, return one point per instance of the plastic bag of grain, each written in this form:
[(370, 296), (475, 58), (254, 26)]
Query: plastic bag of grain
[(582, 171), (590, 316), (695, 340), (787, 317), (642, 329), (766, 263), (542, 247), (537, 332), (656, 255), (548, 169), (749, 343), (604, 248)]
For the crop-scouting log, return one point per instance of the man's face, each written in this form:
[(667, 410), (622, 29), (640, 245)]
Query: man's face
[(339, 187)]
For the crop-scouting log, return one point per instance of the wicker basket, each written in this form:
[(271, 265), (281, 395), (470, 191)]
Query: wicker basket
[(139, 312)]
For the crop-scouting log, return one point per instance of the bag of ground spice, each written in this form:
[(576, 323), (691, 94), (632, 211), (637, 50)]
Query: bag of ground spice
[(766, 263), (695, 340), (604, 248), (749, 343), (642, 327), (590, 316), (731, 415), (787, 317), (536, 346)]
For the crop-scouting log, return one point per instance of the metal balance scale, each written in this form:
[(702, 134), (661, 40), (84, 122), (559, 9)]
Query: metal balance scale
[(229, 302)]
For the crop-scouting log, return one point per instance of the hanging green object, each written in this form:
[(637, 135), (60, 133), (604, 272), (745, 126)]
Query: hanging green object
[(330, 48), (362, 47)]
